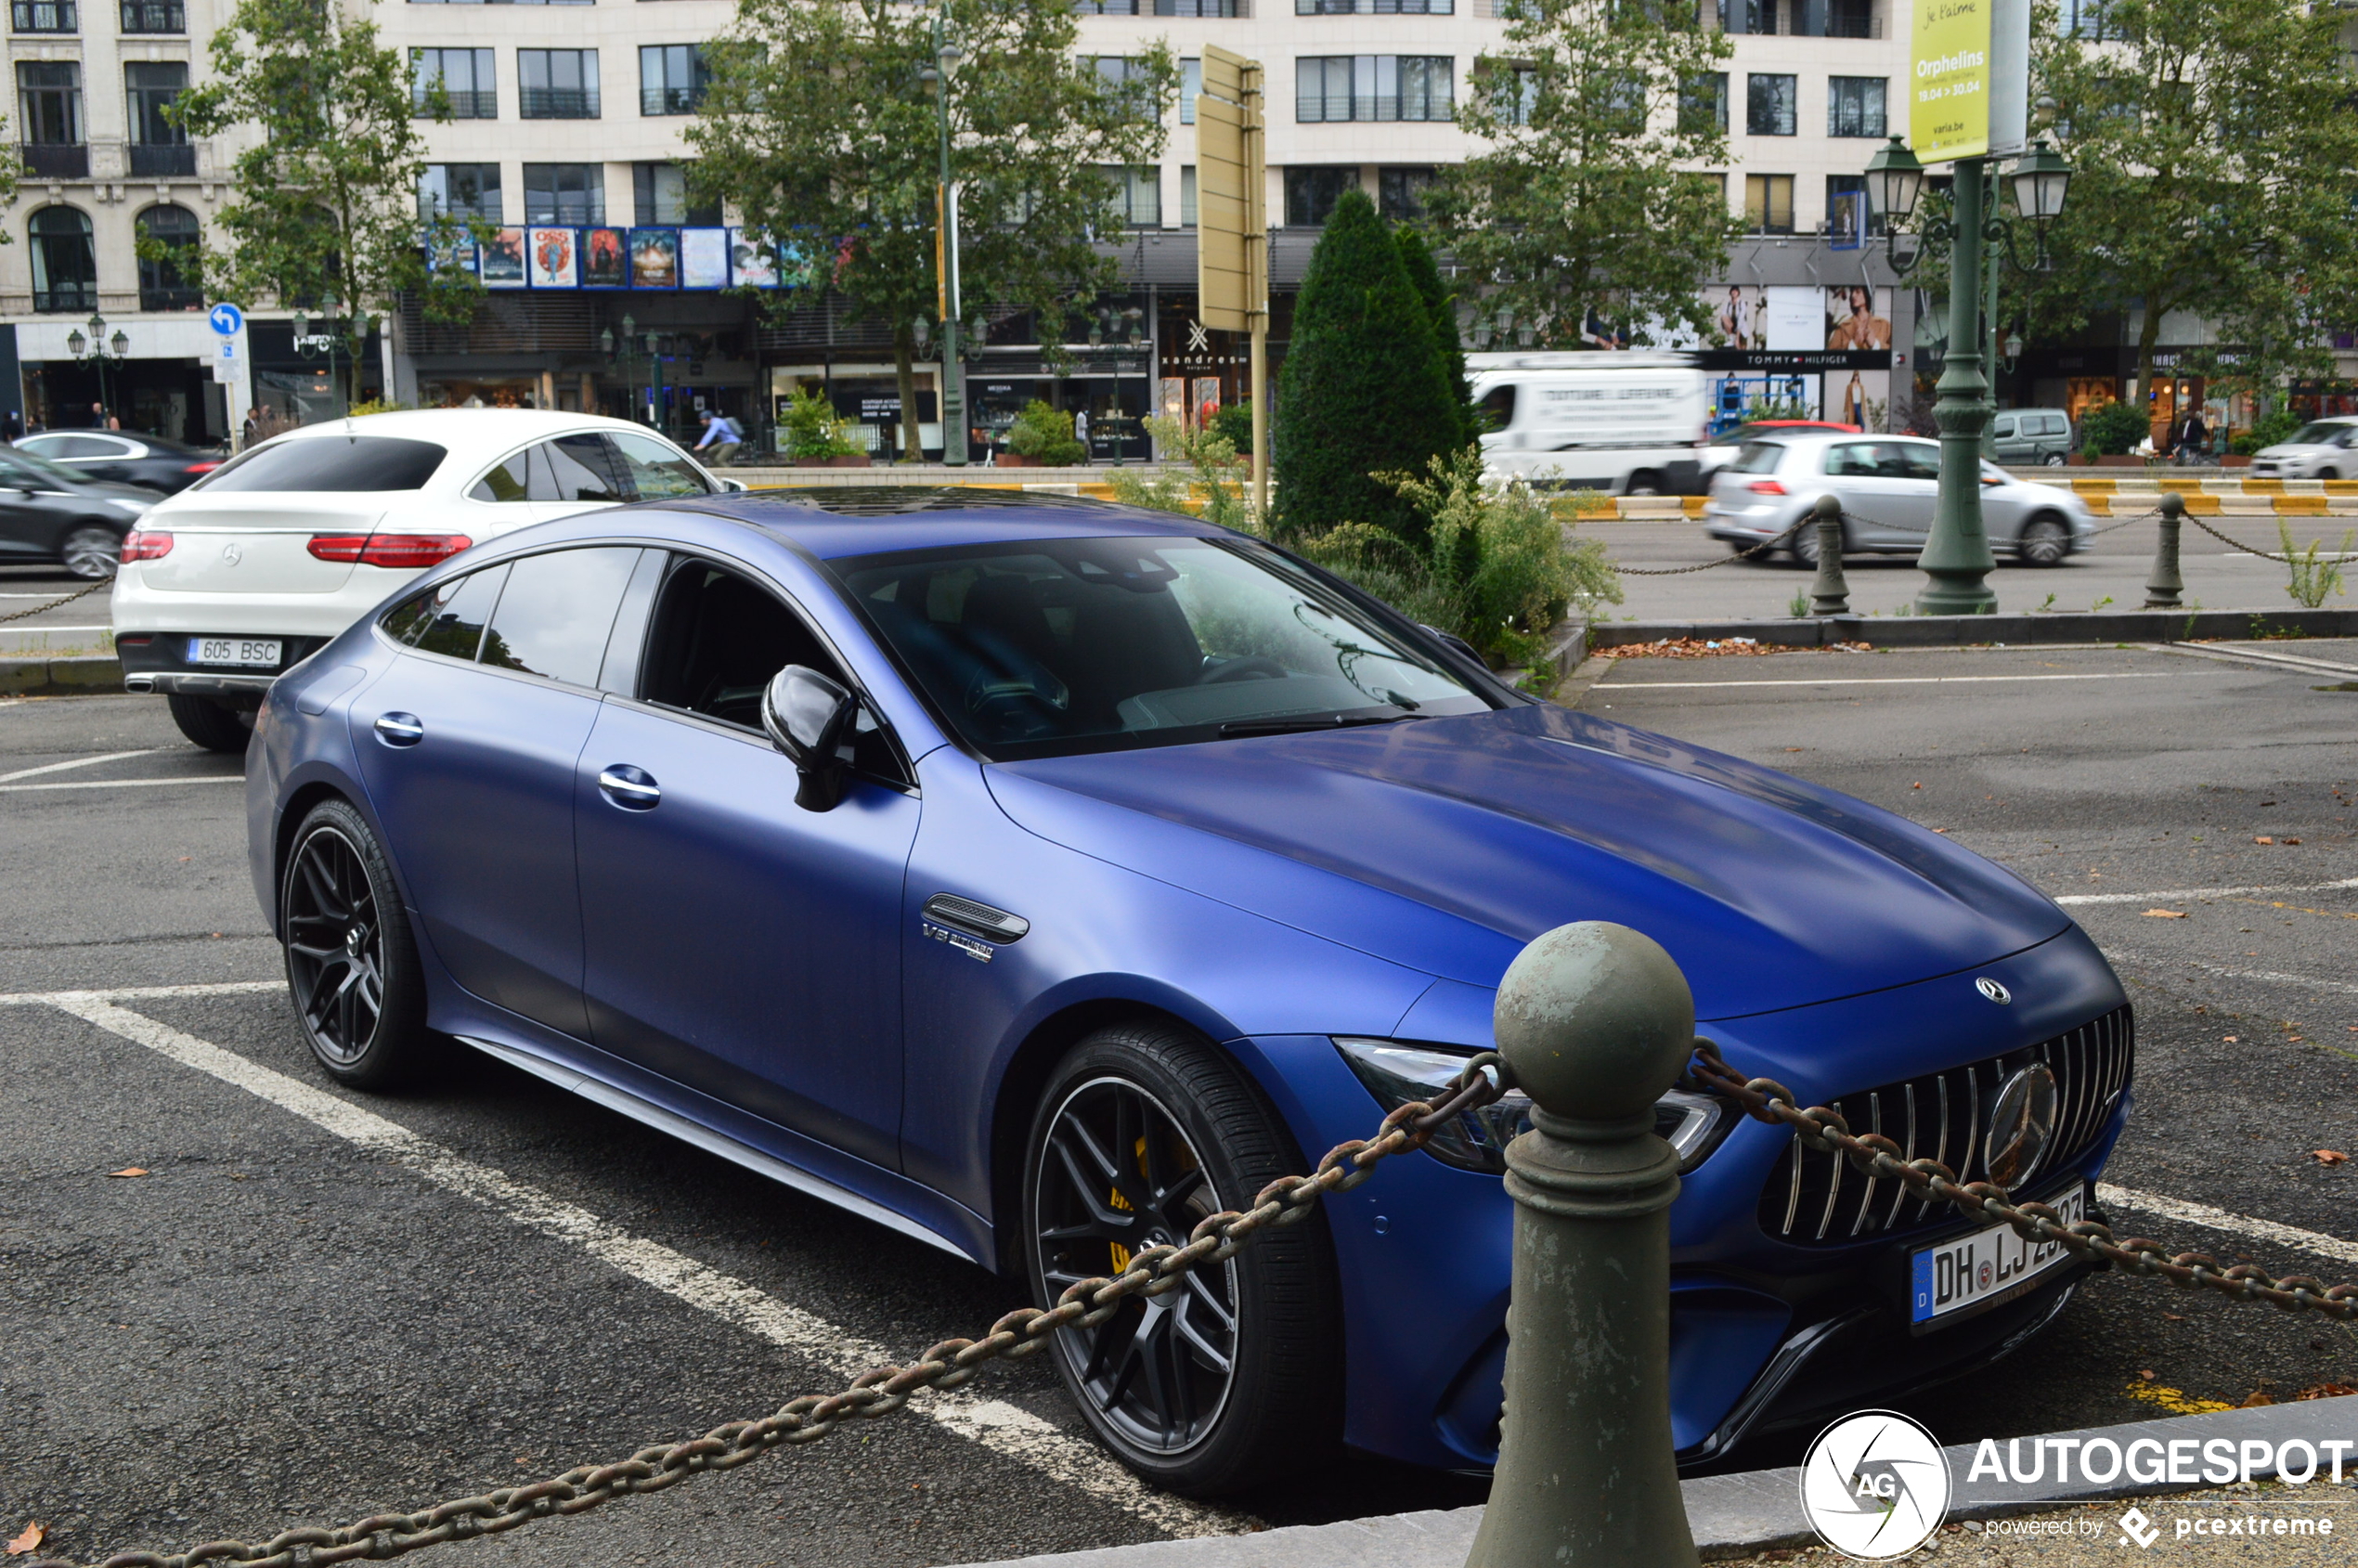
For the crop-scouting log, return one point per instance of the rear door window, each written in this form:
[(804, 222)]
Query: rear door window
[(343, 463), (1918, 460), (557, 613), (576, 468), (1851, 458), (509, 480), (655, 470), (1759, 457), (448, 618)]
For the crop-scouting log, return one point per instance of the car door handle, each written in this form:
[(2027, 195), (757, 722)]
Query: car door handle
[(400, 728), (630, 787)]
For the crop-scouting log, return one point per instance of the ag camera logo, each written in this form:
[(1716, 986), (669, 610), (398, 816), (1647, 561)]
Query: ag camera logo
[(1876, 1485)]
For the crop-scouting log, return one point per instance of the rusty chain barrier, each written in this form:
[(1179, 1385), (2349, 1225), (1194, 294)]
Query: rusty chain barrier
[(2223, 538), (106, 581), (1724, 561)]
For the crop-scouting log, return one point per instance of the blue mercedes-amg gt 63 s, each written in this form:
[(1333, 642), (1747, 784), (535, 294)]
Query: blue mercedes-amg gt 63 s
[(1035, 876)]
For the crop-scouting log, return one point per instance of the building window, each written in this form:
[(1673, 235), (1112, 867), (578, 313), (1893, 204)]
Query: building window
[(1801, 18), (162, 284), (1190, 88), (469, 79), (460, 190), (1311, 191), (1400, 193), (1769, 104), (65, 265), (1187, 196), (1702, 103), (659, 193), (44, 16), (154, 16), (1335, 88), (1126, 77), (1137, 193), (558, 84), (1854, 105), (1768, 204), (672, 78), (504, 2), (158, 147), (49, 101), (1375, 7), (566, 193)]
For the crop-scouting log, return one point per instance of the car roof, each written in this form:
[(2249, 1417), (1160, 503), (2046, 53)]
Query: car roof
[(1822, 436), (836, 521), (464, 431)]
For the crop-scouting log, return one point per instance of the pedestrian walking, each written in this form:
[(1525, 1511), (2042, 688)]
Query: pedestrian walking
[(722, 437), (1080, 432), (11, 425), (2193, 437)]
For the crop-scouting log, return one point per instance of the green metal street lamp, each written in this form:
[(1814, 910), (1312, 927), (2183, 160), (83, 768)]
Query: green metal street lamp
[(1956, 560), (937, 77)]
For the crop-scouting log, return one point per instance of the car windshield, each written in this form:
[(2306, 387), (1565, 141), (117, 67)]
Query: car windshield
[(2323, 433), (54, 473), (330, 462), (1758, 457), (1056, 647)]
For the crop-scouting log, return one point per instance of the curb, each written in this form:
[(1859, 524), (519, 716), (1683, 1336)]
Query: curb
[(81, 676), (1736, 1515), (1947, 632)]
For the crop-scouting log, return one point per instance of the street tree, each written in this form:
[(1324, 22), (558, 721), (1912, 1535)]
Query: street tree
[(2216, 167), (324, 200), (1591, 118), (821, 129), (1441, 309)]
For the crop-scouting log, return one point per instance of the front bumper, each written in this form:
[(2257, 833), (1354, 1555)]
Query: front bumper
[(158, 662)]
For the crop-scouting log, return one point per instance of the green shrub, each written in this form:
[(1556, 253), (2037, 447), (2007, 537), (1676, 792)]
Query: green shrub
[(1441, 309), (1233, 424), (2114, 428), (2314, 579), (1494, 564), (1045, 434), (1362, 390), (2267, 431), (1213, 470), (814, 432)]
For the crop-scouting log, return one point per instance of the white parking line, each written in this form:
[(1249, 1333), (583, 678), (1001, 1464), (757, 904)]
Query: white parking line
[(2271, 976), (130, 784), (2203, 1214), (1005, 1429), (1889, 681), (78, 762), (144, 992), (2180, 895)]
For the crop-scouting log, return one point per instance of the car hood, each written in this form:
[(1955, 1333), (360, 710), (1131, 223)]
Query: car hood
[(1447, 844)]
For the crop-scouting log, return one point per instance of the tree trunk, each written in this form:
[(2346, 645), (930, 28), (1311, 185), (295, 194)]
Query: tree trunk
[(358, 344), (905, 365)]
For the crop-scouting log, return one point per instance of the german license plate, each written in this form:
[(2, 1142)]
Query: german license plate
[(243, 651), (1985, 1266)]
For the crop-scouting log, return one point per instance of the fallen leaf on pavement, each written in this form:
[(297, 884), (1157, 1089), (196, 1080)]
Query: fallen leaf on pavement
[(2263, 839), (2232, 1039), (2165, 914), (2292, 840), (1915, 786), (130, 1170), (26, 1542), (2259, 1396), (2174, 1316), (2327, 1391), (2148, 1374), (2329, 1157)]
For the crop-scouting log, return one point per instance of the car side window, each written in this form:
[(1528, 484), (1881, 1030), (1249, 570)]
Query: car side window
[(1498, 407), (654, 470), (1856, 457), (66, 446), (509, 480), (557, 612), (448, 618), (1917, 462), (2002, 429), (2052, 425), (581, 468)]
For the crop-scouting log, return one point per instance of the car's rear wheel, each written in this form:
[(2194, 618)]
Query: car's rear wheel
[(1144, 1129), (1646, 482), (91, 552), (2044, 542), (351, 966), (2053, 460), (1802, 549), (213, 725)]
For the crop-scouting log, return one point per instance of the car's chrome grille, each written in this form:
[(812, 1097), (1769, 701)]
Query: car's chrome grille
[(1821, 1199)]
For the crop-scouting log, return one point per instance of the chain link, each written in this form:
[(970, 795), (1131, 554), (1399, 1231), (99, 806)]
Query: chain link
[(2280, 559), (1723, 560), (106, 581), (1083, 1305), (1877, 1155)]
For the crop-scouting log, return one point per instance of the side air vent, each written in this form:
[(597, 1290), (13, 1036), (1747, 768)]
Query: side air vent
[(976, 919)]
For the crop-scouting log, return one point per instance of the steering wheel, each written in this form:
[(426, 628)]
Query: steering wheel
[(1252, 668)]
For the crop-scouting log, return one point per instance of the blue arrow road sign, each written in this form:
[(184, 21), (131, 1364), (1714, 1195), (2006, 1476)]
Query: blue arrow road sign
[(227, 320)]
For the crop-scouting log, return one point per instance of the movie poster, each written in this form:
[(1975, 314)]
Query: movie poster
[(503, 259), (555, 258), (750, 265), (1857, 319), (606, 258), (704, 258), (655, 258)]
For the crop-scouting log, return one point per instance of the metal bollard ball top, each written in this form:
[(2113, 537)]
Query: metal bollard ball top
[(1596, 1021)]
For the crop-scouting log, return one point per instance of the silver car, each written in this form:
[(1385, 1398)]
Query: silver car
[(1888, 484), (2321, 449)]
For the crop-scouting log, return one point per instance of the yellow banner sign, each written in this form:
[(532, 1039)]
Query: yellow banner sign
[(1948, 108)]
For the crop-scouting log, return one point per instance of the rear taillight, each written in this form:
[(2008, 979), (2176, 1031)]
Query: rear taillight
[(141, 545), (201, 467), (402, 552), (1765, 487)]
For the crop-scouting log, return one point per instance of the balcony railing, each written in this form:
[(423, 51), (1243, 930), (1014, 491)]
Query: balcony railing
[(669, 101), (560, 103), (45, 16), (171, 297), (154, 16), (478, 103), (66, 299), (56, 160), (162, 159)]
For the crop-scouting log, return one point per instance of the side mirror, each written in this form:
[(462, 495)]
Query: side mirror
[(809, 718)]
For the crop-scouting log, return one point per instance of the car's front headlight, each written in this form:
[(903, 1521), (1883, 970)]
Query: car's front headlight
[(1476, 1140)]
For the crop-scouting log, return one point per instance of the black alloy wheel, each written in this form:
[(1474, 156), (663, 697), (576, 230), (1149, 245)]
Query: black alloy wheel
[(1145, 1130), (351, 968)]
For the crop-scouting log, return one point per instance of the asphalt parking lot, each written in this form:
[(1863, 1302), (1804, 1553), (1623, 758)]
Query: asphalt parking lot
[(314, 1304)]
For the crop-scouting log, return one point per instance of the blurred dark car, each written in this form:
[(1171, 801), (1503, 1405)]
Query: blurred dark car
[(48, 512), (124, 456)]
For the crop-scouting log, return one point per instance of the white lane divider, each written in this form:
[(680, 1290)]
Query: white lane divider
[(995, 1424), (129, 783), (1884, 681), (2181, 895), (2270, 976), (77, 762), (2203, 1214)]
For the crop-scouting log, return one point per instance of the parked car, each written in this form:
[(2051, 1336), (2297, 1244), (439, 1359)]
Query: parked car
[(1035, 877), (247, 571), (125, 457), (49, 513), (2031, 437), (2322, 450), (1888, 484)]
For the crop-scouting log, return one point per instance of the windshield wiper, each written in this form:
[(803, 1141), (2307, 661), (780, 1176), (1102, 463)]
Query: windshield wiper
[(1296, 723)]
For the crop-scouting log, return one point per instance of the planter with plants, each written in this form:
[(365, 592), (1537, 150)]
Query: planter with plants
[(815, 436), (1044, 436)]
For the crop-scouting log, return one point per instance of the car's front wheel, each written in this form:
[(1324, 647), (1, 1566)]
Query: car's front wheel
[(351, 965), (91, 551), (1142, 1130), (2044, 542)]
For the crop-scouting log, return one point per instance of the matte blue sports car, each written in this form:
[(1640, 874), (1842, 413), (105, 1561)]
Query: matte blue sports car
[(1036, 876)]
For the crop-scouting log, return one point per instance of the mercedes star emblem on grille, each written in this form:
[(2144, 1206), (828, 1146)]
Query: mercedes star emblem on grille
[(1994, 990), (2021, 1124)]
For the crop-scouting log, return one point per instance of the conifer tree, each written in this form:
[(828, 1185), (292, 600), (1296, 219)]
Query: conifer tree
[(1441, 308)]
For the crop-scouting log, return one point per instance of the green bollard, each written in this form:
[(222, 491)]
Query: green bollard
[(2162, 590), (1830, 595), (1596, 1021)]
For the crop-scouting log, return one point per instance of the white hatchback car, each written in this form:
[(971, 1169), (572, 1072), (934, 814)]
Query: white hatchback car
[(250, 570)]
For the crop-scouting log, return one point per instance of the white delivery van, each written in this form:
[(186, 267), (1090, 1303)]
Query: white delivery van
[(1628, 423)]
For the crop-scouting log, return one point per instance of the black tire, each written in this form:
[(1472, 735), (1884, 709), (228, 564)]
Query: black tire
[(213, 725), (2044, 542), (91, 551), (1801, 550), (1199, 1137), (352, 965), (1645, 482), (2329, 473), (2052, 460)]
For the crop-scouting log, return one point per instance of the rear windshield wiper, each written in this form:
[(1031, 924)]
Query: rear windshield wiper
[(1296, 723)]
